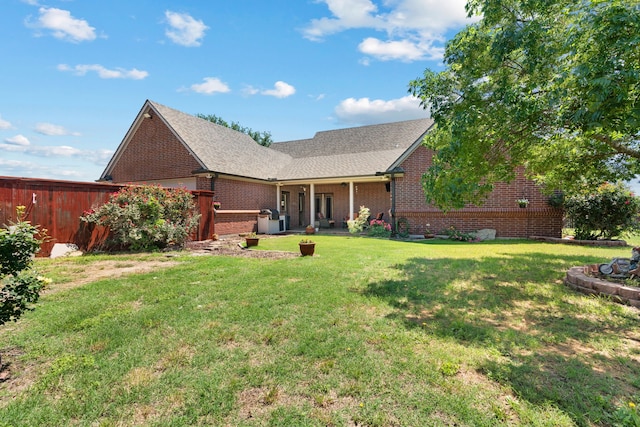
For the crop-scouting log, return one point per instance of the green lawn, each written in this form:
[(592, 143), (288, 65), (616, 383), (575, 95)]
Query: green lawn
[(366, 332)]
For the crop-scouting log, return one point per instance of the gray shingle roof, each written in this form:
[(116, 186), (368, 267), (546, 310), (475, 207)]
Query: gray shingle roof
[(222, 149), (358, 151)]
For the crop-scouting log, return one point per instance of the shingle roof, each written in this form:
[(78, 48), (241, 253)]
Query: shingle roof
[(358, 151), (222, 149)]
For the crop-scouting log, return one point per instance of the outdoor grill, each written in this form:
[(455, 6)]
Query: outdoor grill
[(269, 221), (272, 213)]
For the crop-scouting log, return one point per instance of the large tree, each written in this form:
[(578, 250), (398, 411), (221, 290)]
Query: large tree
[(551, 85), (262, 138)]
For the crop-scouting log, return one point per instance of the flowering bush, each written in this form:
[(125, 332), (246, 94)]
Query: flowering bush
[(357, 225), (19, 285), (145, 217), (379, 228), (607, 212)]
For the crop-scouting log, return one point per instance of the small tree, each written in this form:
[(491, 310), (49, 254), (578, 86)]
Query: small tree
[(19, 286), (146, 217), (607, 212)]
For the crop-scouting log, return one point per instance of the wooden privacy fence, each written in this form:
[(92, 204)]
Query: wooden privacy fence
[(57, 206)]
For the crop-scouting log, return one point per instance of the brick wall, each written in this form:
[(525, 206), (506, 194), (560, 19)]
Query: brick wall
[(499, 212), (153, 152), (237, 195), (236, 222)]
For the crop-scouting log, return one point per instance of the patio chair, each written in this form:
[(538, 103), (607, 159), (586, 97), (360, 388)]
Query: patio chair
[(324, 222)]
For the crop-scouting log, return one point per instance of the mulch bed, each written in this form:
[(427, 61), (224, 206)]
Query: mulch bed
[(234, 246)]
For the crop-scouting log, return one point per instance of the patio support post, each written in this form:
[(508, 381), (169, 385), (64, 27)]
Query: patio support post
[(351, 201), (312, 204), (278, 197)]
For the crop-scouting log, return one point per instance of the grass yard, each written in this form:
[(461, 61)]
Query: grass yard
[(366, 333)]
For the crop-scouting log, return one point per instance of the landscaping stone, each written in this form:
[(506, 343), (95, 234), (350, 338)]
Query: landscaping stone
[(64, 249), (577, 279), (485, 234)]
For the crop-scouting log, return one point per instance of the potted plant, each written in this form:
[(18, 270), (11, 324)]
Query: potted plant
[(252, 239), (523, 203), (427, 232), (310, 229), (307, 247)]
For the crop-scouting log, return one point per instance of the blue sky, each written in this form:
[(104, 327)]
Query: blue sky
[(76, 72)]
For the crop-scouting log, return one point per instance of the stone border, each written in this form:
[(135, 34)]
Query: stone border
[(578, 279), (580, 242)]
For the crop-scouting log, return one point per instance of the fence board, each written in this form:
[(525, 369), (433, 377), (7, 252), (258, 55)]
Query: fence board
[(57, 206)]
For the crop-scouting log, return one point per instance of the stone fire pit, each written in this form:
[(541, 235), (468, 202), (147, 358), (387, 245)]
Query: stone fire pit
[(581, 280)]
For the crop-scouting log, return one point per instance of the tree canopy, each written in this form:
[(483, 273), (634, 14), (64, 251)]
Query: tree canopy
[(551, 85), (262, 138)]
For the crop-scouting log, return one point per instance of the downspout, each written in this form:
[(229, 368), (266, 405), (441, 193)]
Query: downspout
[(394, 228), (392, 174)]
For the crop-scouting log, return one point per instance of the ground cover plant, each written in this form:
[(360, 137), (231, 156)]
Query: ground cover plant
[(366, 332)]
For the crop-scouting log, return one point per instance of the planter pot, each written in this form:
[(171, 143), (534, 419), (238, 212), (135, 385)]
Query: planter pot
[(252, 241), (307, 249), (309, 230), (429, 236), (523, 205)]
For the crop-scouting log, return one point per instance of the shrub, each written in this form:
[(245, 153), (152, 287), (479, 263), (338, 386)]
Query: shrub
[(145, 218), (357, 225), (455, 234), (607, 212), (19, 285), (379, 228)]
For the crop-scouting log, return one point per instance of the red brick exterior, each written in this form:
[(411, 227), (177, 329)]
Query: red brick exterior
[(499, 212), (236, 223), (154, 153)]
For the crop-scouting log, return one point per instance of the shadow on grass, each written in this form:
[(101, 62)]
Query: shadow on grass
[(551, 338)]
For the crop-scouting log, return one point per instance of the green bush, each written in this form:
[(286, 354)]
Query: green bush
[(607, 213), (379, 228), (358, 225), (149, 217), (19, 285)]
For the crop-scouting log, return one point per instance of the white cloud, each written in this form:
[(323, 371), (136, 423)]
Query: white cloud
[(403, 50), (250, 90), (53, 130), (184, 29), (365, 111), (64, 26), (105, 73), (18, 140), (4, 124), (99, 157), (27, 168), (280, 90), (412, 26), (210, 86)]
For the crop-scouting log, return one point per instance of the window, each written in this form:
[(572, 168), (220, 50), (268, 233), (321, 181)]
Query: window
[(284, 202), (324, 205)]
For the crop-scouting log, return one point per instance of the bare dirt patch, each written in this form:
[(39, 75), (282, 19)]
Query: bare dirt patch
[(234, 246)]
